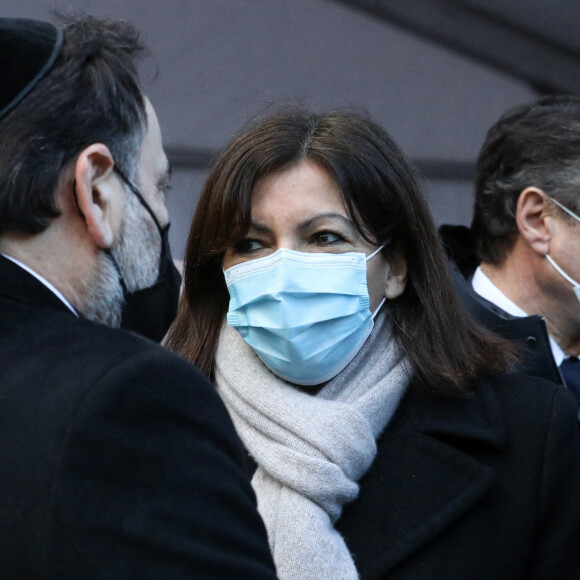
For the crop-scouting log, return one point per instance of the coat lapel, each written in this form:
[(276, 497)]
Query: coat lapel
[(424, 477)]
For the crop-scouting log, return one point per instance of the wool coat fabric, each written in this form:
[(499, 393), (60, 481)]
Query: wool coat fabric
[(479, 488), (118, 459), (475, 488)]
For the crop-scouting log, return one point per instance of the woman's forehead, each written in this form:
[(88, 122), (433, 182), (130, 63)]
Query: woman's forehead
[(302, 186)]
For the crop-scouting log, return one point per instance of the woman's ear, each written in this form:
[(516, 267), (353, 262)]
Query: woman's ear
[(396, 276), (532, 219), (99, 193)]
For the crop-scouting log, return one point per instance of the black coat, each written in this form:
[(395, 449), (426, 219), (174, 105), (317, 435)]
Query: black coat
[(481, 488), (529, 332), (117, 458)]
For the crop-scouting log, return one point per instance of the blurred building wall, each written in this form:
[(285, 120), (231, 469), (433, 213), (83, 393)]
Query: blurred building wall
[(219, 62)]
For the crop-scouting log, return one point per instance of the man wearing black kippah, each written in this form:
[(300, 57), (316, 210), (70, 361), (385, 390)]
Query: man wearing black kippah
[(118, 459)]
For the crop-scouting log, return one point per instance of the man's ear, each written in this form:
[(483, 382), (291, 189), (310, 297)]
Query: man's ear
[(531, 219), (99, 193), (396, 277)]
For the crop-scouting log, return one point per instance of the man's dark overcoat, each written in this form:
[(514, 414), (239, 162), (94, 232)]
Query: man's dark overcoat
[(529, 332), (117, 458)]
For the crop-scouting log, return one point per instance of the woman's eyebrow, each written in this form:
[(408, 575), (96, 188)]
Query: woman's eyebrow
[(261, 228), (324, 216)]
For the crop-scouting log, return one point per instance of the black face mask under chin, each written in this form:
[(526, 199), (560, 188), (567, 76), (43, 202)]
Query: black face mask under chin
[(150, 311)]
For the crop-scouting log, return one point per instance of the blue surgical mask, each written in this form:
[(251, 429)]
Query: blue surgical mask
[(575, 285), (306, 315)]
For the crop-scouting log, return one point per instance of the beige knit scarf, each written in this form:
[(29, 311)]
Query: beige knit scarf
[(310, 450)]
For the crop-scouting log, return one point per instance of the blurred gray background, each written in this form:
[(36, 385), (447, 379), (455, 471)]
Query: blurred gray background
[(435, 73)]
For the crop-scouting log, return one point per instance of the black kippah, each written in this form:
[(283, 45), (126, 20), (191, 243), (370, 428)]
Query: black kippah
[(28, 49)]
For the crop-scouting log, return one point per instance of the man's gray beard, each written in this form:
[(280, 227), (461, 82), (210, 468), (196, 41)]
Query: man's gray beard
[(137, 252)]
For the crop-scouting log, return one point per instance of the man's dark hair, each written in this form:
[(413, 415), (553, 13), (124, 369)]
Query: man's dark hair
[(537, 145), (91, 95)]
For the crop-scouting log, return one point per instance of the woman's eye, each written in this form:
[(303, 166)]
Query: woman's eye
[(247, 246), (325, 238)]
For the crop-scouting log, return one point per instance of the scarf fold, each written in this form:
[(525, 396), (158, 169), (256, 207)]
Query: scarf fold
[(310, 449)]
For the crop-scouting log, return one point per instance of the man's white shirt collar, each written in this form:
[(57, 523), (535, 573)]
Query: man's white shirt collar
[(486, 288), (45, 282)]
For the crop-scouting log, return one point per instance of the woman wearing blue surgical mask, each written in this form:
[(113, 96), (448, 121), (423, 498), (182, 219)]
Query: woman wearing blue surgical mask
[(384, 438)]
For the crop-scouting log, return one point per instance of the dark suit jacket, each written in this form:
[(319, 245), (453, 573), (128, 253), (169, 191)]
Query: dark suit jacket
[(529, 332), (117, 458), (485, 487)]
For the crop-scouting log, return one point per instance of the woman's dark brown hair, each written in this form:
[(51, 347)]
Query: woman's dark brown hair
[(378, 186)]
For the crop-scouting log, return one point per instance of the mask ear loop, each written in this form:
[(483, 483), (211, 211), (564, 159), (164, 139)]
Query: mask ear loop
[(379, 307), (139, 196), (564, 208), (384, 298), (375, 253), (548, 257), (551, 260), (560, 271), (107, 251)]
